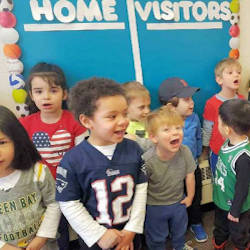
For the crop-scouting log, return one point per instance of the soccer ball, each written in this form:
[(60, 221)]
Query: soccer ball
[(235, 18), (22, 109), (6, 5)]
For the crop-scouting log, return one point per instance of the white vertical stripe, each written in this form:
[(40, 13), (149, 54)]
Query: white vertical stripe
[(134, 40)]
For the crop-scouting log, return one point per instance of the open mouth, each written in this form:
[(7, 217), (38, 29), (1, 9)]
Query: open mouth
[(175, 142), (236, 81)]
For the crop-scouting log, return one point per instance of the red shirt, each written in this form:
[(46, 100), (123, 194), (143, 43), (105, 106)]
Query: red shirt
[(211, 113), (52, 140)]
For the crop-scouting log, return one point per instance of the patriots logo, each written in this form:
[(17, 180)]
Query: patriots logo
[(60, 184)]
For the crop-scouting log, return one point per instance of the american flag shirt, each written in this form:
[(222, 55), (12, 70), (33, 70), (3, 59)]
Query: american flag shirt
[(52, 140)]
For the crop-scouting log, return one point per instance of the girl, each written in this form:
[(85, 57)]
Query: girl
[(29, 214)]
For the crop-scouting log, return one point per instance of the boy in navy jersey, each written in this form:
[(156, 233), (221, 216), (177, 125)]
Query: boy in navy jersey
[(101, 187)]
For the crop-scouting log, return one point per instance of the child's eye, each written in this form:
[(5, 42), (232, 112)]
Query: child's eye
[(2, 142), (37, 91), (54, 90)]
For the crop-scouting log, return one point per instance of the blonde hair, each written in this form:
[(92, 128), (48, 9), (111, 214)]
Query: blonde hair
[(219, 68), (134, 89), (166, 115)]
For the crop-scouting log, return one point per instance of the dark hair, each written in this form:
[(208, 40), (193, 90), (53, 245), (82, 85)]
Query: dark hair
[(50, 73), (174, 101), (84, 95), (235, 113), (26, 154)]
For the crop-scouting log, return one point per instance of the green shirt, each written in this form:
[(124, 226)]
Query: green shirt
[(137, 128), (225, 175)]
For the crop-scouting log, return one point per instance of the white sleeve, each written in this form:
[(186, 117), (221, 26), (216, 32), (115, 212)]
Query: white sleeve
[(138, 211), (2, 243), (81, 137), (50, 222), (82, 222)]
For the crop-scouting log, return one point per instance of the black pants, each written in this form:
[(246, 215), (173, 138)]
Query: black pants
[(194, 211), (239, 232)]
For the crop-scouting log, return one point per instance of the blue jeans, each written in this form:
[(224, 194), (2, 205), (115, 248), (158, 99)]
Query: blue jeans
[(213, 158), (160, 219)]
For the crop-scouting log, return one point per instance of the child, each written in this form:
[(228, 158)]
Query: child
[(228, 76), (101, 187), (177, 92), (52, 129), (29, 214), (168, 164), (231, 191), (138, 98)]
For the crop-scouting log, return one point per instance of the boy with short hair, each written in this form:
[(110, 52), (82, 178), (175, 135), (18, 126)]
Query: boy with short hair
[(228, 76), (138, 98), (231, 192), (168, 164), (101, 186), (178, 93)]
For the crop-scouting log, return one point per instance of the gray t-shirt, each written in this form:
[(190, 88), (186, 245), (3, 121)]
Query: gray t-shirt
[(166, 178)]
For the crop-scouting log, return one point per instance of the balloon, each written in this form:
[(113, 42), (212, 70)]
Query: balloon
[(235, 6), (234, 53), (234, 30), (16, 81), (9, 35), (6, 5), (234, 43), (19, 95), (22, 110), (14, 66), (7, 19), (12, 51)]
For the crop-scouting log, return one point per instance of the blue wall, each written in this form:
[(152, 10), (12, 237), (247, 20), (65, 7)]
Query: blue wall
[(189, 54)]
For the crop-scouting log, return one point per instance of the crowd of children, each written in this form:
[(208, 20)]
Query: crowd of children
[(110, 188)]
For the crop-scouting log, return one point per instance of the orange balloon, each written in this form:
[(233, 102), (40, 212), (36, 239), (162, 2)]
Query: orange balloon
[(12, 51), (234, 53)]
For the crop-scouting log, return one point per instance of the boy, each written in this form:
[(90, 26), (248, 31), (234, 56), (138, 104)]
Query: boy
[(168, 164), (101, 187), (228, 76), (177, 92), (138, 98), (231, 191)]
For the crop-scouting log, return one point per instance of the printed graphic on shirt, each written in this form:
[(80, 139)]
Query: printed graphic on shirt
[(52, 150)]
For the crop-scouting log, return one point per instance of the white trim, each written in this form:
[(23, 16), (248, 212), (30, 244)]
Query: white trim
[(134, 40), (184, 26), (74, 26)]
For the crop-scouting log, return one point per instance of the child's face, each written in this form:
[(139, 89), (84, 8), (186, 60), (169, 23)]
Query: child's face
[(48, 98), (230, 78), (139, 108), (185, 107), (109, 122), (7, 152), (168, 138)]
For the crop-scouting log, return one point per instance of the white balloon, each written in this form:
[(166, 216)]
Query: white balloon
[(234, 43), (22, 109), (9, 35), (14, 66)]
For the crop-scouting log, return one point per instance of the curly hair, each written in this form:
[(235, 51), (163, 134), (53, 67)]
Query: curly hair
[(84, 95), (26, 154)]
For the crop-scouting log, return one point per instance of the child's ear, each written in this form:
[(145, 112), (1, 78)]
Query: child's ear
[(153, 138), (218, 80), (85, 121), (65, 94)]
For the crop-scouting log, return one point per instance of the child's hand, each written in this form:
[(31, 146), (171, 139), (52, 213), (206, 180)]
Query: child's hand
[(230, 217), (10, 247), (37, 243), (187, 201), (110, 239), (127, 241)]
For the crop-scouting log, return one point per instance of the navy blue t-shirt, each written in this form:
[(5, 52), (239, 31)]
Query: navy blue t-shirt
[(105, 187)]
